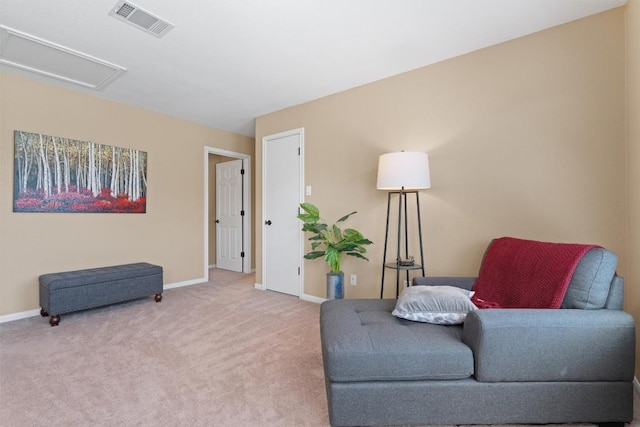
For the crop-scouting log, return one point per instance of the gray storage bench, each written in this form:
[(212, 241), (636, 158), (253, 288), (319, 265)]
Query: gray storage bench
[(82, 289)]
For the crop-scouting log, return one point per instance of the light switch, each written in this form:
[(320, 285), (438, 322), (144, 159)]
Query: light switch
[(308, 190)]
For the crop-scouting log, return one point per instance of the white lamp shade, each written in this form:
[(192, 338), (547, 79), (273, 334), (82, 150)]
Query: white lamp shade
[(408, 170)]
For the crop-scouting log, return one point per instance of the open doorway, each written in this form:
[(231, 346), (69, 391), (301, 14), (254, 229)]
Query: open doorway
[(213, 156)]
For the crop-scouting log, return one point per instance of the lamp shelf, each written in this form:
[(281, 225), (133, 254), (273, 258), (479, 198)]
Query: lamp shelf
[(396, 266)]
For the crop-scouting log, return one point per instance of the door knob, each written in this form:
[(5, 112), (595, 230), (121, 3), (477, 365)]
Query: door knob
[(268, 222), (217, 221)]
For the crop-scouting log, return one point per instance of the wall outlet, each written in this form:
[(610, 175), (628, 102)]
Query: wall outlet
[(354, 280)]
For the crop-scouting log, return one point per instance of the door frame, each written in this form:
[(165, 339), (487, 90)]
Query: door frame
[(246, 202), (265, 139)]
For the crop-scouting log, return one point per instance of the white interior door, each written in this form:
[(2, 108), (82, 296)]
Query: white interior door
[(229, 211), (282, 236)]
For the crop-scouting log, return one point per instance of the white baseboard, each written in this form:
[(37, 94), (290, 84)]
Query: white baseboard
[(304, 297), (212, 266), (312, 298), (21, 315), (36, 312), (636, 384), (186, 283)]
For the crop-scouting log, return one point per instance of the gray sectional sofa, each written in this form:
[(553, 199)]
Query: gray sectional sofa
[(530, 366)]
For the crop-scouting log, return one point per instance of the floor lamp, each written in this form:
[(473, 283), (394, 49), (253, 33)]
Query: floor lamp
[(402, 174)]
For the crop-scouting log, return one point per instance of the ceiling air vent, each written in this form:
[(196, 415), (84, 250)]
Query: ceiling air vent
[(141, 19)]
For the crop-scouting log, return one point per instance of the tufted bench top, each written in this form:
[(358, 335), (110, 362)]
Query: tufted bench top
[(71, 279)]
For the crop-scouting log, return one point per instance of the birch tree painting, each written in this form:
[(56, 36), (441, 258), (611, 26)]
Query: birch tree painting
[(53, 174)]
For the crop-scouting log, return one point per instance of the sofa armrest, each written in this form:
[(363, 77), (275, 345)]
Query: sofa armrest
[(460, 282), (551, 345), (616, 294)]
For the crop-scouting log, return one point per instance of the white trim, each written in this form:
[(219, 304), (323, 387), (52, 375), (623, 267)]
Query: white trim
[(301, 200), (636, 384), (246, 202), (186, 283), (304, 297), (312, 298), (212, 266), (298, 131), (18, 316)]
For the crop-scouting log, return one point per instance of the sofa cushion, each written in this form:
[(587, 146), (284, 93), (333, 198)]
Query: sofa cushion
[(591, 281), (363, 341), (441, 305)]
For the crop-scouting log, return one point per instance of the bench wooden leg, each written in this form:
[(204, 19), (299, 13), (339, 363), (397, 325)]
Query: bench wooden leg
[(158, 297), (54, 320)]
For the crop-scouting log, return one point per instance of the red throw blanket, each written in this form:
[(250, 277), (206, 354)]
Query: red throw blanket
[(520, 273)]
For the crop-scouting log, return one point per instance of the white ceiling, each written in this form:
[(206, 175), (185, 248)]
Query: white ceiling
[(229, 61)]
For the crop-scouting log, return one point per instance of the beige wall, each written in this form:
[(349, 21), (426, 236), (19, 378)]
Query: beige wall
[(632, 297), (526, 138), (170, 234)]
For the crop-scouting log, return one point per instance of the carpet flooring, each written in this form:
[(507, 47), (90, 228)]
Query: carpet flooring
[(219, 353)]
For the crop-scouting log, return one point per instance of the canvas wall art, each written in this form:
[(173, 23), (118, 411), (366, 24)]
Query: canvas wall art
[(54, 174)]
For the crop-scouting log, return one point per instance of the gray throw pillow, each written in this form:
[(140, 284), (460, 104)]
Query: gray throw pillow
[(441, 305)]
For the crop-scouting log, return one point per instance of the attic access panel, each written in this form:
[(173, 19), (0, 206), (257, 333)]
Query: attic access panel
[(30, 53)]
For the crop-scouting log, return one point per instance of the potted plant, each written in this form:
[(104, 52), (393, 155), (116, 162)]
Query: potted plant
[(332, 243)]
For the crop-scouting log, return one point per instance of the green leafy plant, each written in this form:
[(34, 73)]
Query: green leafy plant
[(331, 242)]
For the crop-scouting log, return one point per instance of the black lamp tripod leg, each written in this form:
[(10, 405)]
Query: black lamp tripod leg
[(398, 258), (386, 237), (420, 233)]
